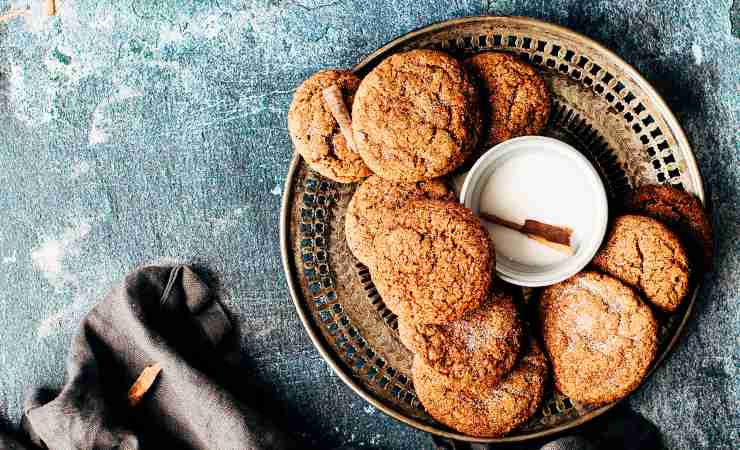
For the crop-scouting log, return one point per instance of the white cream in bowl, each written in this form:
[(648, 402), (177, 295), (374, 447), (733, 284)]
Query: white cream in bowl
[(541, 179)]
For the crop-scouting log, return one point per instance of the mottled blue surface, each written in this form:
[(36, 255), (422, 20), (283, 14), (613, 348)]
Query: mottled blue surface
[(134, 131)]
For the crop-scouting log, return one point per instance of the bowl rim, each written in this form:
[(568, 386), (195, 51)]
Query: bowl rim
[(567, 267), (315, 335)]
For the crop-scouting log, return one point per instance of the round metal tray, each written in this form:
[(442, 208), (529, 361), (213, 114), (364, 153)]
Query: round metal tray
[(601, 106)]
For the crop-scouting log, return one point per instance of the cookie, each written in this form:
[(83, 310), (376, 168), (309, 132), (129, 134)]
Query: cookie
[(434, 264), (648, 256), (315, 132), (514, 96), (489, 412), (681, 211), (374, 205), (416, 116), (600, 337), (481, 347)]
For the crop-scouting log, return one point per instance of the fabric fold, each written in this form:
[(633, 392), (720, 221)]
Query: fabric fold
[(165, 315)]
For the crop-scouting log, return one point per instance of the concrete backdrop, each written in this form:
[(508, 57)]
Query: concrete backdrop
[(140, 131)]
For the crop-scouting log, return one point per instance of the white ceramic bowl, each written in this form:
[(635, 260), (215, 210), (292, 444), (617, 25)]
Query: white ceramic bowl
[(586, 239)]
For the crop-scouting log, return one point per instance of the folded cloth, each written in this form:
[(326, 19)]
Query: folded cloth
[(164, 315), (8, 442)]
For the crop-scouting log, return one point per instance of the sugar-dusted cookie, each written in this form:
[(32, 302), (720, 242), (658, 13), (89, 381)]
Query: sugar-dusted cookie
[(600, 337), (416, 116)]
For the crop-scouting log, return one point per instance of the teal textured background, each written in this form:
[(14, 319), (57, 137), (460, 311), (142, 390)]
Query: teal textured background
[(143, 131)]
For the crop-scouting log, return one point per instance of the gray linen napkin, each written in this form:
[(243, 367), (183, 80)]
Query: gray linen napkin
[(165, 315)]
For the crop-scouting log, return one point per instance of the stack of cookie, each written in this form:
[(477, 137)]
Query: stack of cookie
[(418, 116), (433, 262)]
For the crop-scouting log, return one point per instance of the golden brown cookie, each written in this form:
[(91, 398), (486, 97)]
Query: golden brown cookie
[(489, 412), (648, 256), (416, 116), (374, 206), (681, 211), (600, 336), (435, 264), (315, 132), (515, 99), (481, 347)]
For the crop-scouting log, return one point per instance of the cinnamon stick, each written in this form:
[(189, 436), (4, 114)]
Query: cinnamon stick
[(553, 233), (499, 221), (553, 236), (51, 7), (335, 101), (142, 384)]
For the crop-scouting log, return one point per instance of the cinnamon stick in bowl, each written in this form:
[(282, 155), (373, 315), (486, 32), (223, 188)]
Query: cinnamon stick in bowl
[(553, 236)]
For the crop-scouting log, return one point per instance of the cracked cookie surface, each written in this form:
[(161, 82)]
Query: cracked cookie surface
[(416, 116), (514, 96), (681, 211), (480, 347), (315, 132), (435, 264), (374, 206), (484, 412), (648, 256), (600, 336)]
